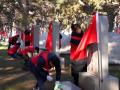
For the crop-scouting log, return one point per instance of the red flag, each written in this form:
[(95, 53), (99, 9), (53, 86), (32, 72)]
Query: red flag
[(27, 49), (89, 37), (49, 38)]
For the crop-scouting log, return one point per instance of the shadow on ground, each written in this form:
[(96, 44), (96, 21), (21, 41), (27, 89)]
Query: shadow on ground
[(13, 77)]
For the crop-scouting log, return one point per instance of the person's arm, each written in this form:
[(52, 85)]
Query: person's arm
[(57, 65), (40, 67)]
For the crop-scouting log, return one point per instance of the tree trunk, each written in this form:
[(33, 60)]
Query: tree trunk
[(25, 20)]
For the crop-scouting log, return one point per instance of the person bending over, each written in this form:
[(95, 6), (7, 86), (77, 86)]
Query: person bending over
[(40, 66)]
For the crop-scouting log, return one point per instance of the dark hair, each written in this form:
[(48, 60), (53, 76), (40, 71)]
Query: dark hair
[(18, 43), (74, 26), (27, 32), (37, 49)]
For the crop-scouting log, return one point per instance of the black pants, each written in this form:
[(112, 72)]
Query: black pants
[(27, 43), (40, 80), (76, 67)]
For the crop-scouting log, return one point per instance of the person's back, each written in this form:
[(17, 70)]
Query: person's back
[(40, 66)]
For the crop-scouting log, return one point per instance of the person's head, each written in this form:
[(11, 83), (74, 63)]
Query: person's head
[(27, 32), (18, 44), (37, 49), (76, 28), (16, 37)]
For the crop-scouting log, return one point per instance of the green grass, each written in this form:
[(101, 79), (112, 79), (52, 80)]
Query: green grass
[(10, 88), (3, 51)]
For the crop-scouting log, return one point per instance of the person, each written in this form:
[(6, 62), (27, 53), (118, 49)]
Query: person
[(76, 65), (28, 37), (12, 51), (40, 65), (13, 40), (26, 53)]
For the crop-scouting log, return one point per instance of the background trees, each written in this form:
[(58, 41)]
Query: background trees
[(24, 12)]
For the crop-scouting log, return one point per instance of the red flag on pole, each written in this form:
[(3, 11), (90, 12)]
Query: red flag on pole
[(49, 38), (89, 37)]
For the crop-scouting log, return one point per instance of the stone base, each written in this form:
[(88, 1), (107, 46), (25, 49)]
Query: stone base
[(110, 83), (88, 81), (67, 85)]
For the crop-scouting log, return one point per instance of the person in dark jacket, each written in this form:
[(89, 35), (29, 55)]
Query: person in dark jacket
[(40, 66), (76, 66)]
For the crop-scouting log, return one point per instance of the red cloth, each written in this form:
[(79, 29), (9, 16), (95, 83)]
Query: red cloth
[(73, 49), (44, 54), (35, 59), (27, 49), (28, 38), (13, 50), (89, 37), (49, 38), (11, 38)]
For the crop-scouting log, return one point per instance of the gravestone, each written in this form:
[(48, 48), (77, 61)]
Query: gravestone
[(67, 85), (55, 34), (36, 35), (97, 76)]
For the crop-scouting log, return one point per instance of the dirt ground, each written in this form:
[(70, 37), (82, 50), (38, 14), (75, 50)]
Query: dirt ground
[(13, 77)]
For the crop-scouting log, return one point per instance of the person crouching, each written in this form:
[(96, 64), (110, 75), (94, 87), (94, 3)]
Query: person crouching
[(12, 51), (40, 66)]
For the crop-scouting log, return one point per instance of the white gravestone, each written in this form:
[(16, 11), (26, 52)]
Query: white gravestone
[(67, 85), (55, 34), (97, 76), (36, 35)]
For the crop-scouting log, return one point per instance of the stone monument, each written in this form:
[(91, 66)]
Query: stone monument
[(97, 76)]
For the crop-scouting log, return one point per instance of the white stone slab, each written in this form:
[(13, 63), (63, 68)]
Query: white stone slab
[(89, 81), (67, 85)]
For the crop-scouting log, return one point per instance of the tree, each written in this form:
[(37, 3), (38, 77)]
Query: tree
[(67, 11)]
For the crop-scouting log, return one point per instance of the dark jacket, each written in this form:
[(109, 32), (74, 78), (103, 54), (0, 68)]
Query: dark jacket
[(76, 37), (42, 64)]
